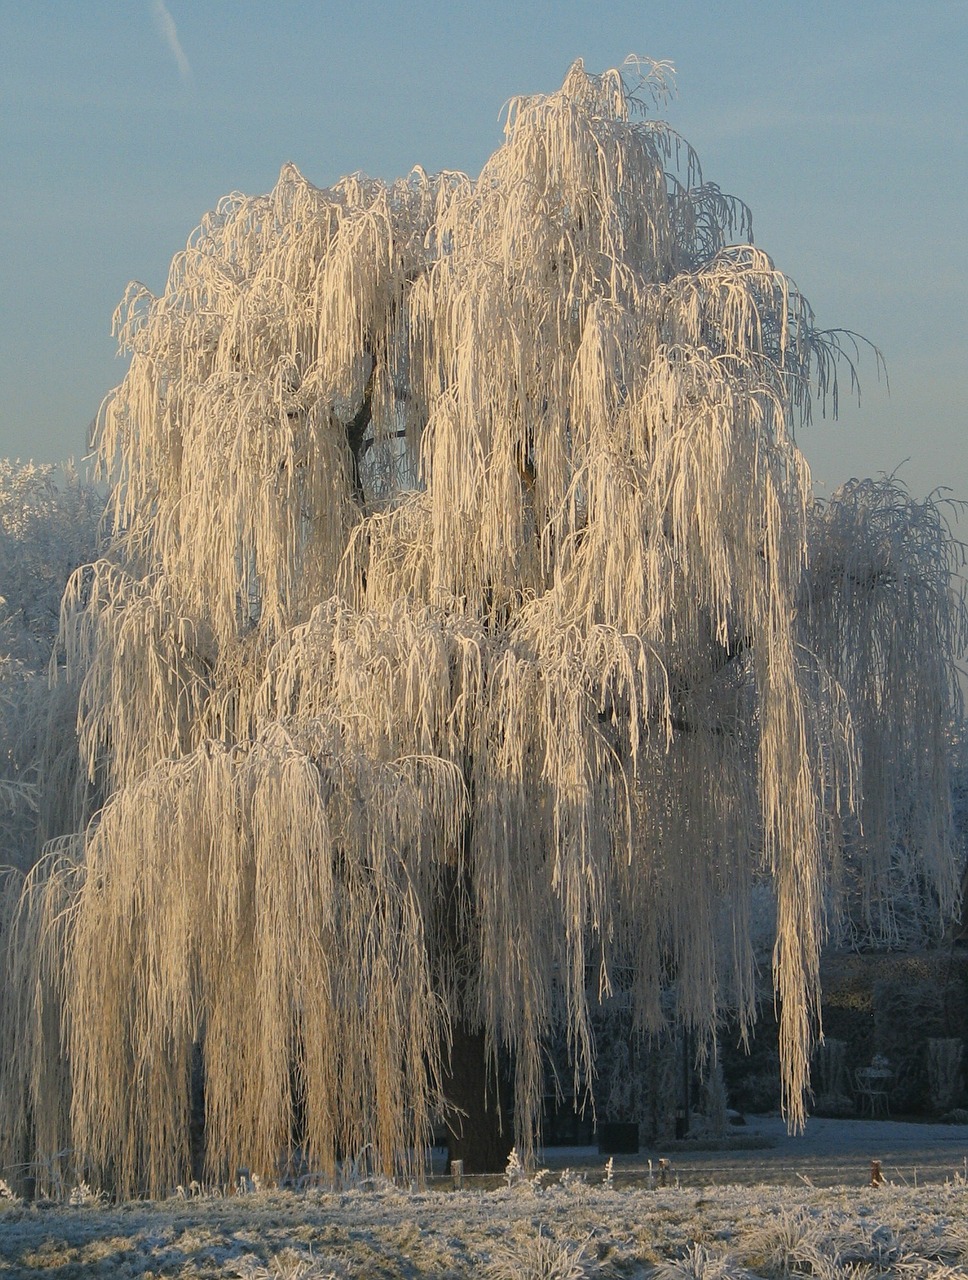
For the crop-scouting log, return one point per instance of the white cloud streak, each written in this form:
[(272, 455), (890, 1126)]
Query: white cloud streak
[(166, 25)]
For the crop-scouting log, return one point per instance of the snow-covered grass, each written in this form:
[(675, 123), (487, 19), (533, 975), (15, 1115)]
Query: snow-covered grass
[(567, 1230)]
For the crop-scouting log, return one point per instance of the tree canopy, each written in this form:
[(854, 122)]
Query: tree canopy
[(469, 645)]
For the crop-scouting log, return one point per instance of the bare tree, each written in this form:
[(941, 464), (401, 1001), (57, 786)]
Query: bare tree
[(450, 659)]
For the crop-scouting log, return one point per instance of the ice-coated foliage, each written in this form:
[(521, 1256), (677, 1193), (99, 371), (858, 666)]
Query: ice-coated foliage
[(47, 529), (886, 620), (470, 643)]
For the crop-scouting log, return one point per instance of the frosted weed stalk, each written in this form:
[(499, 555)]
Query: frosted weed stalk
[(573, 1183), (85, 1196), (514, 1172)]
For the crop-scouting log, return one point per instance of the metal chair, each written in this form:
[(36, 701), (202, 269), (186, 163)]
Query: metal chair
[(872, 1089)]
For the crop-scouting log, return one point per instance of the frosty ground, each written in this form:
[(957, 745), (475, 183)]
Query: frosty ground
[(723, 1213)]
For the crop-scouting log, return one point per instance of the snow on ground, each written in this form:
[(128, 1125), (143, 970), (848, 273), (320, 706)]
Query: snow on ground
[(709, 1222)]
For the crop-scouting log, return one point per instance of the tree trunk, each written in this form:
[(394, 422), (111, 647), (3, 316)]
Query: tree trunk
[(478, 1128), (196, 1115)]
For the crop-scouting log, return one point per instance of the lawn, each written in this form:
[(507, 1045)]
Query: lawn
[(562, 1226)]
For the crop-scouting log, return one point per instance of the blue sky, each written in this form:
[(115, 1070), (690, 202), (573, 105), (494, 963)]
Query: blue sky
[(843, 125)]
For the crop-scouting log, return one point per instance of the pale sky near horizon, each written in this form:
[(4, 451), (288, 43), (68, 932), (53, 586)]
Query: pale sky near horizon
[(844, 125)]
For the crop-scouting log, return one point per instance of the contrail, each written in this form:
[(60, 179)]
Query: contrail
[(166, 25)]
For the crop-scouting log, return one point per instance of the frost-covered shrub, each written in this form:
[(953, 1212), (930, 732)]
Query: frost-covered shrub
[(751, 1078), (907, 1012), (831, 1077), (944, 1071)]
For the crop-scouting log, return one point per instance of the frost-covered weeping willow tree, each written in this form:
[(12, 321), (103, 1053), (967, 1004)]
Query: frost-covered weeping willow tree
[(456, 662), (883, 603)]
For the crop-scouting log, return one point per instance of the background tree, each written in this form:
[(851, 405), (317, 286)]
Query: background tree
[(449, 661), (884, 612), (47, 529)]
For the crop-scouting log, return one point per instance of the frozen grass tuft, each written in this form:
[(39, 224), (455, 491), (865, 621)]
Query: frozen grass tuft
[(790, 1244), (287, 1265), (700, 1263), (540, 1258)]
